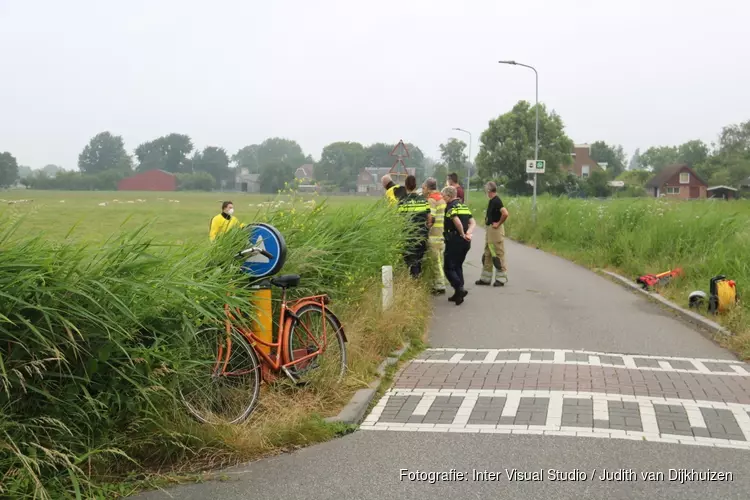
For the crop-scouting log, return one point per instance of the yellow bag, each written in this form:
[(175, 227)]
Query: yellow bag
[(723, 294)]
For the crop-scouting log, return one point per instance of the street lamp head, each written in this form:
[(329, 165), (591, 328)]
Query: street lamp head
[(507, 62)]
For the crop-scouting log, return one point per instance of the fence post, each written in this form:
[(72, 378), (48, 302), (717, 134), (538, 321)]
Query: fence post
[(387, 287)]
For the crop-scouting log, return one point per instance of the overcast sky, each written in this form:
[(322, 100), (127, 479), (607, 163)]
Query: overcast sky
[(234, 72)]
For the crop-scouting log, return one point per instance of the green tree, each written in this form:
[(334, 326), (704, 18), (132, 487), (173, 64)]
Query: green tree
[(613, 156), (167, 153), (247, 157), (635, 161), (509, 141), (693, 153), (8, 169), (277, 149), (340, 163), (659, 157), (24, 172), (214, 161), (637, 178), (597, 184), (735, 139), (440, 173), (275, 175), (52, 170), (454, 157), (104, 152)]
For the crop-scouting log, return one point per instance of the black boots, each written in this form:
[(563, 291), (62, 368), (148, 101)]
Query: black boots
[(458, 297)]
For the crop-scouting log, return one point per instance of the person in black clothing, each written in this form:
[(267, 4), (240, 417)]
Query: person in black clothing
[(457, 229), (415, 207), (494, 246)]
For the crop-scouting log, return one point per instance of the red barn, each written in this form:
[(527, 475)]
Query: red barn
[(153, 180)]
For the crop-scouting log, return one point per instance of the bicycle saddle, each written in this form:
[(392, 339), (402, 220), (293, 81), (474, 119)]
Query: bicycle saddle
[(286, 280)]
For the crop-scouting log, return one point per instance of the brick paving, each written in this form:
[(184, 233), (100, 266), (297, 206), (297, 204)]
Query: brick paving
[(681, 400), (723, 383)]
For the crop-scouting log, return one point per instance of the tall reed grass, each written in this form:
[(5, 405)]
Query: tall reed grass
[(92, 341), (638, 236)]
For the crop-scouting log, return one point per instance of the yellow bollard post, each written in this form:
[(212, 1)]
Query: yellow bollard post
[(263, 324)]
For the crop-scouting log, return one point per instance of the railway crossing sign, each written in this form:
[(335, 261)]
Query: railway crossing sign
[(535, 167), (269, 239)]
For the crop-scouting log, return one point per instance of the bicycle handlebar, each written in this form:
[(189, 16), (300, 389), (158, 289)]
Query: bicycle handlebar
[(252, 251)]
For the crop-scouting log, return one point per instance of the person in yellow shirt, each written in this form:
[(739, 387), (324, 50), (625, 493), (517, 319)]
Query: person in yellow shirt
[(224, 221), (393, 192)]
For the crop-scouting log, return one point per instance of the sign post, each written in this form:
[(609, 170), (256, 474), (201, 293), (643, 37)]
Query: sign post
[(270, 239), (535, 167)]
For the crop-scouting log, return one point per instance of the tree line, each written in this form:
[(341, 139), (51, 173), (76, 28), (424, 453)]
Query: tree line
[(104, 161), (508, 142), (505, 145)]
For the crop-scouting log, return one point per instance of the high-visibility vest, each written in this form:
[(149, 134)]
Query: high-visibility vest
[(437, 210), (395, 193), (415, 207)]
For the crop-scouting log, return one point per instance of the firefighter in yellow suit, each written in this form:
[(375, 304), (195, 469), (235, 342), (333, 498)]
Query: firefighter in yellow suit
[(224, 221), (436, 239)]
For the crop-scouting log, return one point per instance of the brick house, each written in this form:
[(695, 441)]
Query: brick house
[(583, 165), (677, 181), (304, 174), (152, 180), (368, 180)]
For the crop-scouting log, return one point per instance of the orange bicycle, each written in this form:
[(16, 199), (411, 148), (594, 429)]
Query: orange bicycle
[(226, 387)]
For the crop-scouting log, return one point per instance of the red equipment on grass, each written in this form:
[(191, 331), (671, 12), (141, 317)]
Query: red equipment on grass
[(651, 280)]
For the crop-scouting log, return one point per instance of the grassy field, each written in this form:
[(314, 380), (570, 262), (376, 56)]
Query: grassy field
[(177, 217), (639, 236), (96, 309)]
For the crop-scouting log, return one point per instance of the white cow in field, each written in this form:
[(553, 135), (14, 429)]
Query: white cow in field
[(103, 204)]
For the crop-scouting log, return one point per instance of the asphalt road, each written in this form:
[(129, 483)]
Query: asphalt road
[(552, 303), (548, 303)]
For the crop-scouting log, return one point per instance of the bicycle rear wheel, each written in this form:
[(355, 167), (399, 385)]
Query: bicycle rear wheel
[(222, 384), (316, 329)]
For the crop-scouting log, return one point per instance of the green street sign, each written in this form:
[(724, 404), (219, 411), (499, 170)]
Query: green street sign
[(535, 167)]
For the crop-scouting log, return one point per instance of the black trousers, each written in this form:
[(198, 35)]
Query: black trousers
[(414, 256), (456, 249)]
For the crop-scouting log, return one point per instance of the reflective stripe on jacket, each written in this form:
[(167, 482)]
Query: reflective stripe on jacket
[(437, 210)]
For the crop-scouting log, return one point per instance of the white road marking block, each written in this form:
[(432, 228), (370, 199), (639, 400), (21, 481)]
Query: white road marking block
[(595, 361), (601, 409), (424, 405), (464, 411), (491, 355), (700, 366), (739, 369), (554, 410), (695, 417), (511, 404), (525, 357), (648, 417), (664, 365), (559, 357), (456, 358), (743, 420)]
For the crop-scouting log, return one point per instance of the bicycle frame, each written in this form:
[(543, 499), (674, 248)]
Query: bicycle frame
[(279, 361)]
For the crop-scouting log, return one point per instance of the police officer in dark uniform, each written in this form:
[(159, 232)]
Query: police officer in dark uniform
[(457, 228), (417, 209)]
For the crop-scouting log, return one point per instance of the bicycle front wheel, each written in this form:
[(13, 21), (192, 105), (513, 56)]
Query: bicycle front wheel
[(316, 331), (223, 380)]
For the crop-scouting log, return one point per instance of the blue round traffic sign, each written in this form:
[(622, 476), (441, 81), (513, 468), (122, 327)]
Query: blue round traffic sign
[(268, 238)]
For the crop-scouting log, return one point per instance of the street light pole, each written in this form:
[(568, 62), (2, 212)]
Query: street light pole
[(536, 134), (468, 173)]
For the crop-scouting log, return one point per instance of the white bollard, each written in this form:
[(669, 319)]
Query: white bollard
[(387, 287)]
